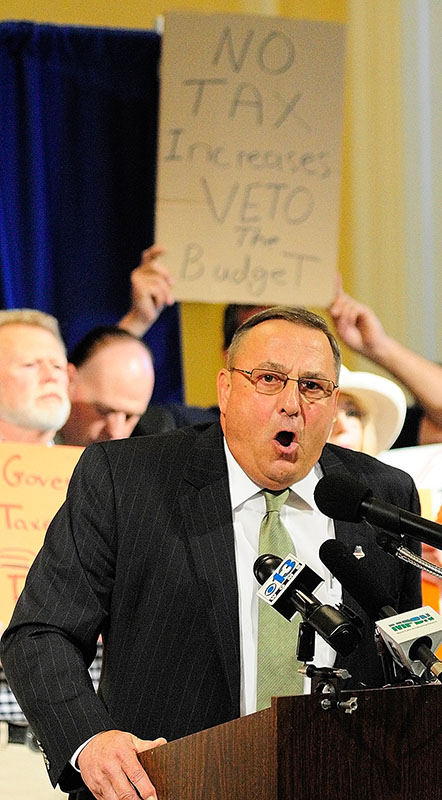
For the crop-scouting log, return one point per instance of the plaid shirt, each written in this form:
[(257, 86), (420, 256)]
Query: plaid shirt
[(10, 710)]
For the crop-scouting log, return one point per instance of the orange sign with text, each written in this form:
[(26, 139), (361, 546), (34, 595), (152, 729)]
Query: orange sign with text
[(33, 483)]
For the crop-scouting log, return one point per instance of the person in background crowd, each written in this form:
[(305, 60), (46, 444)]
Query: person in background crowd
[(34, 404), (34, 401), (111, 380), (358, 326), (370, 412)]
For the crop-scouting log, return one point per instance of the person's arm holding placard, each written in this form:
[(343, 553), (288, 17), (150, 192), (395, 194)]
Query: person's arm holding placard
[(151, 291), (361, 330)]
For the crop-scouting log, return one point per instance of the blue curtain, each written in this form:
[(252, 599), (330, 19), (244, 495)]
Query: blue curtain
[(78, 126)]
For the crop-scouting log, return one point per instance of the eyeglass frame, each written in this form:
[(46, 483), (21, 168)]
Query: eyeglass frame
[(248, 373)]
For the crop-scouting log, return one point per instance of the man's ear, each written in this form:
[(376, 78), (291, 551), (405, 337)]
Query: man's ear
[(224, 385), (334, 404), (72, 376)]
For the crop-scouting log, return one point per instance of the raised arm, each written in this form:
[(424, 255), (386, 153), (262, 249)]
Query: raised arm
[(151, 291), (358, 326)]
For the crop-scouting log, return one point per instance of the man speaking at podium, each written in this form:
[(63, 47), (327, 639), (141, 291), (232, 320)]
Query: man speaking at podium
[(154, 549)]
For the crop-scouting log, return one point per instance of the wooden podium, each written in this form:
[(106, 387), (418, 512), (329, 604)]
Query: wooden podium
[(390, 748)]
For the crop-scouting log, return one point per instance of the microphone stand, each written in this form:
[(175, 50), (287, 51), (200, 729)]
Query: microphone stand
[(330, 681), (324, 680), (395, 674), (392, 544)]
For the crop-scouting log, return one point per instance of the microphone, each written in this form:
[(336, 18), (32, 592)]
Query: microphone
[(340, 497), (287, 585), (411, 636)]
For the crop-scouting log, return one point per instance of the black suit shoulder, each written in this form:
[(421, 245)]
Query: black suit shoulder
[(194, 453)]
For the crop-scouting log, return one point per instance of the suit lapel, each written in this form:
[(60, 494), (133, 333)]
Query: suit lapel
[(207, 518)]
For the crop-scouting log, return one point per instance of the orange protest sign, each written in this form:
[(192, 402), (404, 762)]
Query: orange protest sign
[(33, 483)]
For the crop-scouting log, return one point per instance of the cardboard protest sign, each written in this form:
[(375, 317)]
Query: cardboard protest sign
[(33, 483), (249, 158)]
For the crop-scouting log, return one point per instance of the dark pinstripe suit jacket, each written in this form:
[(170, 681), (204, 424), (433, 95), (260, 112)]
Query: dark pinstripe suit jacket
[(142, 551)]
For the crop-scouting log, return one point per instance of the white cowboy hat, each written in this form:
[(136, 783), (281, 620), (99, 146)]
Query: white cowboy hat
[(384, 401)]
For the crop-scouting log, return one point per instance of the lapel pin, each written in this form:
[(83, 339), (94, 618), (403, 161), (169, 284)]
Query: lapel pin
[(358, 552)]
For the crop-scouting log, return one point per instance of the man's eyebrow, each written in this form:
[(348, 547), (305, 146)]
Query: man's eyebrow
[(104, 409), (318, 374), (277, 367), (271, 365)]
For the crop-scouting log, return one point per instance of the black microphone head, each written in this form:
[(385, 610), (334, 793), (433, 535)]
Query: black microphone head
[(264, 566), (354, 576), (340, 497)]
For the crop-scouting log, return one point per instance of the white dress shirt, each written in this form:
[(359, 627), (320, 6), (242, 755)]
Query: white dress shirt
[(308, 528)]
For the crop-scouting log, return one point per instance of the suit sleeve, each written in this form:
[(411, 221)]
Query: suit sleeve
[(398, 488), (411, 590), (52, 636)]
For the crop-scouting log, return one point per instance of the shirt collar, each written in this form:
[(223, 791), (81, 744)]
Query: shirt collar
[(242, 488)]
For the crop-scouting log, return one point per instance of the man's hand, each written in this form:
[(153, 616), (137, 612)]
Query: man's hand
[(110, 768), (358, 326), (151, 284)]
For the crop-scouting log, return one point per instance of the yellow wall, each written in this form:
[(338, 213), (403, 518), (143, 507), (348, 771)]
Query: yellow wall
[(142, 13), (112, 13), (201, 323)]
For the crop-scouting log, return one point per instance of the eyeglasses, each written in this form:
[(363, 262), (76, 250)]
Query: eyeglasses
[(271, 382)]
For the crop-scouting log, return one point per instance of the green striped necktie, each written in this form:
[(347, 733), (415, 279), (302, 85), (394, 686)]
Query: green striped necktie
[(277, 665)]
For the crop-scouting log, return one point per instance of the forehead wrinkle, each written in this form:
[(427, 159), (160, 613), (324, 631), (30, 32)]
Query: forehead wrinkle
[(275, 365), (307, 349)]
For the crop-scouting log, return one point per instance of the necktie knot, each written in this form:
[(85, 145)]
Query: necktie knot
[(275, 500), (273, 536)]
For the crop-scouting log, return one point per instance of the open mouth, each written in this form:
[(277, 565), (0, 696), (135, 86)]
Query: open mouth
[(51, 396), (285, 438)]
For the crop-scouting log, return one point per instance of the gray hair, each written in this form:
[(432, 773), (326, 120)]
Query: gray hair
[(30, 316), (299, 316)]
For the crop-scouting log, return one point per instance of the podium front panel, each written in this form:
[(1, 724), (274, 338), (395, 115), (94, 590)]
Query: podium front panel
[(388, 749)]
